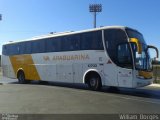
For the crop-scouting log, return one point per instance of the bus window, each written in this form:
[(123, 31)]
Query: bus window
[(76, 42), (35, 47), (86, 41), (12, 49), (124, 56), (21, 48), (65, 44), (113, 37), (49, 45), (92, 41), (41, 45), (56, 44), (4, 50), (97, 43), (28, 48)]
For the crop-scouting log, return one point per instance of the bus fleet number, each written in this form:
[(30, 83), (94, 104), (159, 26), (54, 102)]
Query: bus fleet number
[(92, 65)]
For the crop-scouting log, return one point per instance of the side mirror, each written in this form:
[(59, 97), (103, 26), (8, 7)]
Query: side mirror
[(139, 46), (149, 46)]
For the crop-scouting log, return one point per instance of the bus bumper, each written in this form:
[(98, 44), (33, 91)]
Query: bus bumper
[(142, 82)]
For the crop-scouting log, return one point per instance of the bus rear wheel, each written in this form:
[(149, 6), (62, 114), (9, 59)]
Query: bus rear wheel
[(94, 82), (21, 77)]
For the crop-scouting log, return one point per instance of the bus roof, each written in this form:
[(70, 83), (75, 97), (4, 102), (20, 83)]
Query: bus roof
[(52, 34)]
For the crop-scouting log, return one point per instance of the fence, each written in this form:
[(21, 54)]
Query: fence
[(156, 73)]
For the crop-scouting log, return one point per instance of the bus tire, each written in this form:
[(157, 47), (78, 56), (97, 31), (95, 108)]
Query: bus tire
[(21, 77), (94, 82)]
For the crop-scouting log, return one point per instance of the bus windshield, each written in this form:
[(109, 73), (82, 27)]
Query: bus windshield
[(143, 60)]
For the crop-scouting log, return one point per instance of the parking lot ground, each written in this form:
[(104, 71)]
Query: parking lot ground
[(54, 98)]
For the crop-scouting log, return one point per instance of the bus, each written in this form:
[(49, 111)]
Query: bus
[(115, 56)]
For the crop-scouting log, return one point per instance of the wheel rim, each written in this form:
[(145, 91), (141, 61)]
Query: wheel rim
[(93, 82), (21, 77)]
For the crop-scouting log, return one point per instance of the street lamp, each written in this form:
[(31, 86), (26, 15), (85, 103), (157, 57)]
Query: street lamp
[(94, 8), (0, 16)]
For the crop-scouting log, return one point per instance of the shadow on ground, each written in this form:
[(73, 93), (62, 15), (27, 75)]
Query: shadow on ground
[(140, 92)]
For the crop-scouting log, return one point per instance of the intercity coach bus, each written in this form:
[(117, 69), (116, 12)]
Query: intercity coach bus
[(114, 56)]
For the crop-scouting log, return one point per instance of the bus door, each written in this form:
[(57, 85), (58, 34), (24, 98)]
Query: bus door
[(125, 77), (125, 64), (110, 74)]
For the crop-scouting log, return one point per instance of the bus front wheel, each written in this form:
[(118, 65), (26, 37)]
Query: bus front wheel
[(94, 82), (21, 77)]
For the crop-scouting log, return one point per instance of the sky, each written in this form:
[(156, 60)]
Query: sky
[(22, 19)]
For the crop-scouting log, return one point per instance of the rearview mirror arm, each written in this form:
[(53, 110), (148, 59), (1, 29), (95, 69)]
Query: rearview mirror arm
[(150, 46)]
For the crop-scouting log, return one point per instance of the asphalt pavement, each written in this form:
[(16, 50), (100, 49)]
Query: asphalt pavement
[(58, 98)]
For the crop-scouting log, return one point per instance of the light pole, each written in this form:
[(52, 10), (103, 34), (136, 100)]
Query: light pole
[(94, 8), (0, 16)]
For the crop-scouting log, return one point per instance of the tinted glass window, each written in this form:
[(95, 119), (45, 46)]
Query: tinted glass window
[(13, 49), (21, 48), (92, 41), (35, 47), (113, 37), (28, 48), (53, 44), (4, 50), (70, 43), (66, 44), (86, 41), (76, 42), (83, 41), (38, 46), (48, 43), (9, 49), (124, 56), (135, 34), (41, 45), (56, 44)]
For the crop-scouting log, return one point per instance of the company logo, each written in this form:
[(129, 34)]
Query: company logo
[(67, 57)]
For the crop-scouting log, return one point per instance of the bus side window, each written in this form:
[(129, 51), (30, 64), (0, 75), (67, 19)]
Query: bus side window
[(113, 37), (28, 48), (77, 42), (4, 50), (65, 45), (48, 45), (12, 49), (56, 44), (97, 43), (86, 41), (41, 46), (21, 48), (34, 47), (9, 50), (70, 42), (38, 46)]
